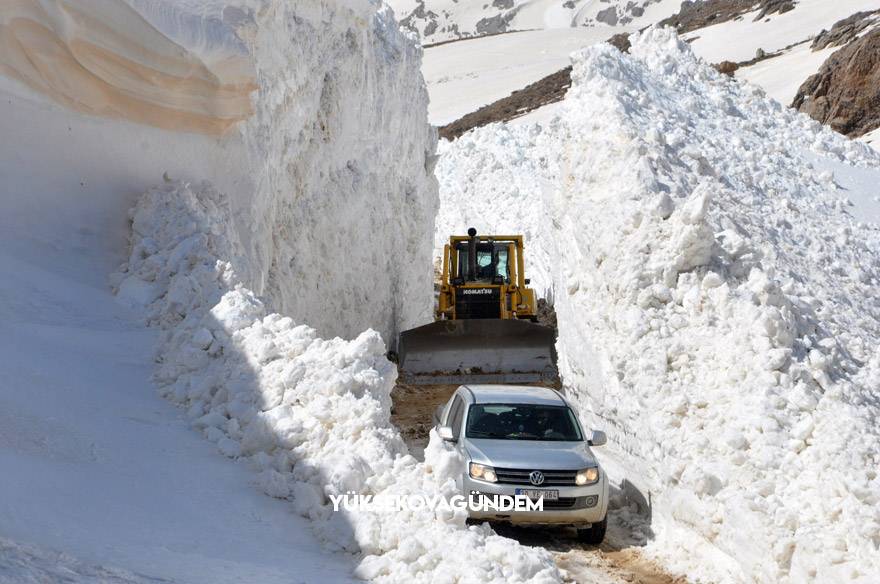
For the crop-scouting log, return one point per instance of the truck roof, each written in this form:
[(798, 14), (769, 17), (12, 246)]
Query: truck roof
[(514, 394)]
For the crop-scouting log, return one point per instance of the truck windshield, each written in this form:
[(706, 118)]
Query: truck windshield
[(522, 422)]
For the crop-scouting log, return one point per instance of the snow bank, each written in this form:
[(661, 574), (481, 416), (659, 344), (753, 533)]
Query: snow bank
[(717, 303), (311, 115), (311, 416)]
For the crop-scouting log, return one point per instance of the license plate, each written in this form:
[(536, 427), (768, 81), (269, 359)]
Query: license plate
[(538, 494)]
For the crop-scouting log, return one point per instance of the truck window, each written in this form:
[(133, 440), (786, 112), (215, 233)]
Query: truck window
[(457, 416), (454, 410)]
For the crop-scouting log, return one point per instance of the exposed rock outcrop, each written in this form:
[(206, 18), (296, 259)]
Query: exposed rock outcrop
[(620, 41), (701, 13), (727, 67), (545, 91), (845, 30), (845, 93)]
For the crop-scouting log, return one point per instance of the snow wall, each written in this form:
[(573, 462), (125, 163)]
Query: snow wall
[(718, 304), (309, 115)]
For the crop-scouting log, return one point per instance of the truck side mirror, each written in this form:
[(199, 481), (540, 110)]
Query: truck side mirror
[(597, 438), (445, 432), (528, 281)]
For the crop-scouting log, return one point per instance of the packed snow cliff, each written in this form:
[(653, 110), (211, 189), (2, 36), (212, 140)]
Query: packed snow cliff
[(718, 300), (310, 115), (108, 59)]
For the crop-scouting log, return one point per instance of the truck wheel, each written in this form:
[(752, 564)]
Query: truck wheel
[(595, 534)]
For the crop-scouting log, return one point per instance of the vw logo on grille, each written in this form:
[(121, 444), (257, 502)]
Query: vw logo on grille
[(536, 477)]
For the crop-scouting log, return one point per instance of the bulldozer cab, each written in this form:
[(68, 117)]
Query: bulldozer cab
[(491, 267), (485, 327), (483, 278)]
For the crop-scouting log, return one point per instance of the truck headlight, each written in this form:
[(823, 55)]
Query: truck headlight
[(588, 476), (482, 472)]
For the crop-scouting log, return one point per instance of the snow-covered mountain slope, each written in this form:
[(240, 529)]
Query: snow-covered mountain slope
[(715, 263), (464, 76), (788, 34), (782, 75), (739, 40), (441, 20)]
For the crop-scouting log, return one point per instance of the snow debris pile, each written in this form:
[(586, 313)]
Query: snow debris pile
[(718, 304), (311, 416)]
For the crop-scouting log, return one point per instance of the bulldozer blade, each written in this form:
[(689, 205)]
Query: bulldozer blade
[(477, 351)]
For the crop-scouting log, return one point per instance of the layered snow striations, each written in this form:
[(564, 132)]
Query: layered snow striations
[(718, 295), (106, 58)]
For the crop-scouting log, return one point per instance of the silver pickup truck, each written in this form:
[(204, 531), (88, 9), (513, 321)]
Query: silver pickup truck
[(521, 440)]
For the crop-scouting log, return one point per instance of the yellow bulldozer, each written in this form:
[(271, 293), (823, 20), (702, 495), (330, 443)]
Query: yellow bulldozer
[(486, 327)]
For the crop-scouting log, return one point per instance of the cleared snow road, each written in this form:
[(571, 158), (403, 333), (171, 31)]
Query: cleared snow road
[(97, 466)]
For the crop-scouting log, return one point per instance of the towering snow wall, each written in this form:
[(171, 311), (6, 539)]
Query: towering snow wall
[(718, 303), (310, 116)]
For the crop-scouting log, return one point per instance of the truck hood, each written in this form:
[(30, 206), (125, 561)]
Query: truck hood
[(534, 454)]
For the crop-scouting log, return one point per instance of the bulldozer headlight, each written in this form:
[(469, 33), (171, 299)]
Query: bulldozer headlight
[(482, 472), (588, 476)]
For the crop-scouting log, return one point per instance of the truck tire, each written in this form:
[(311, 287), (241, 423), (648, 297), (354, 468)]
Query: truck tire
[(595, 534)]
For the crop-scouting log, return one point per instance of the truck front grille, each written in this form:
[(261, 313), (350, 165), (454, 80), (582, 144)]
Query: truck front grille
[(552, 478)]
